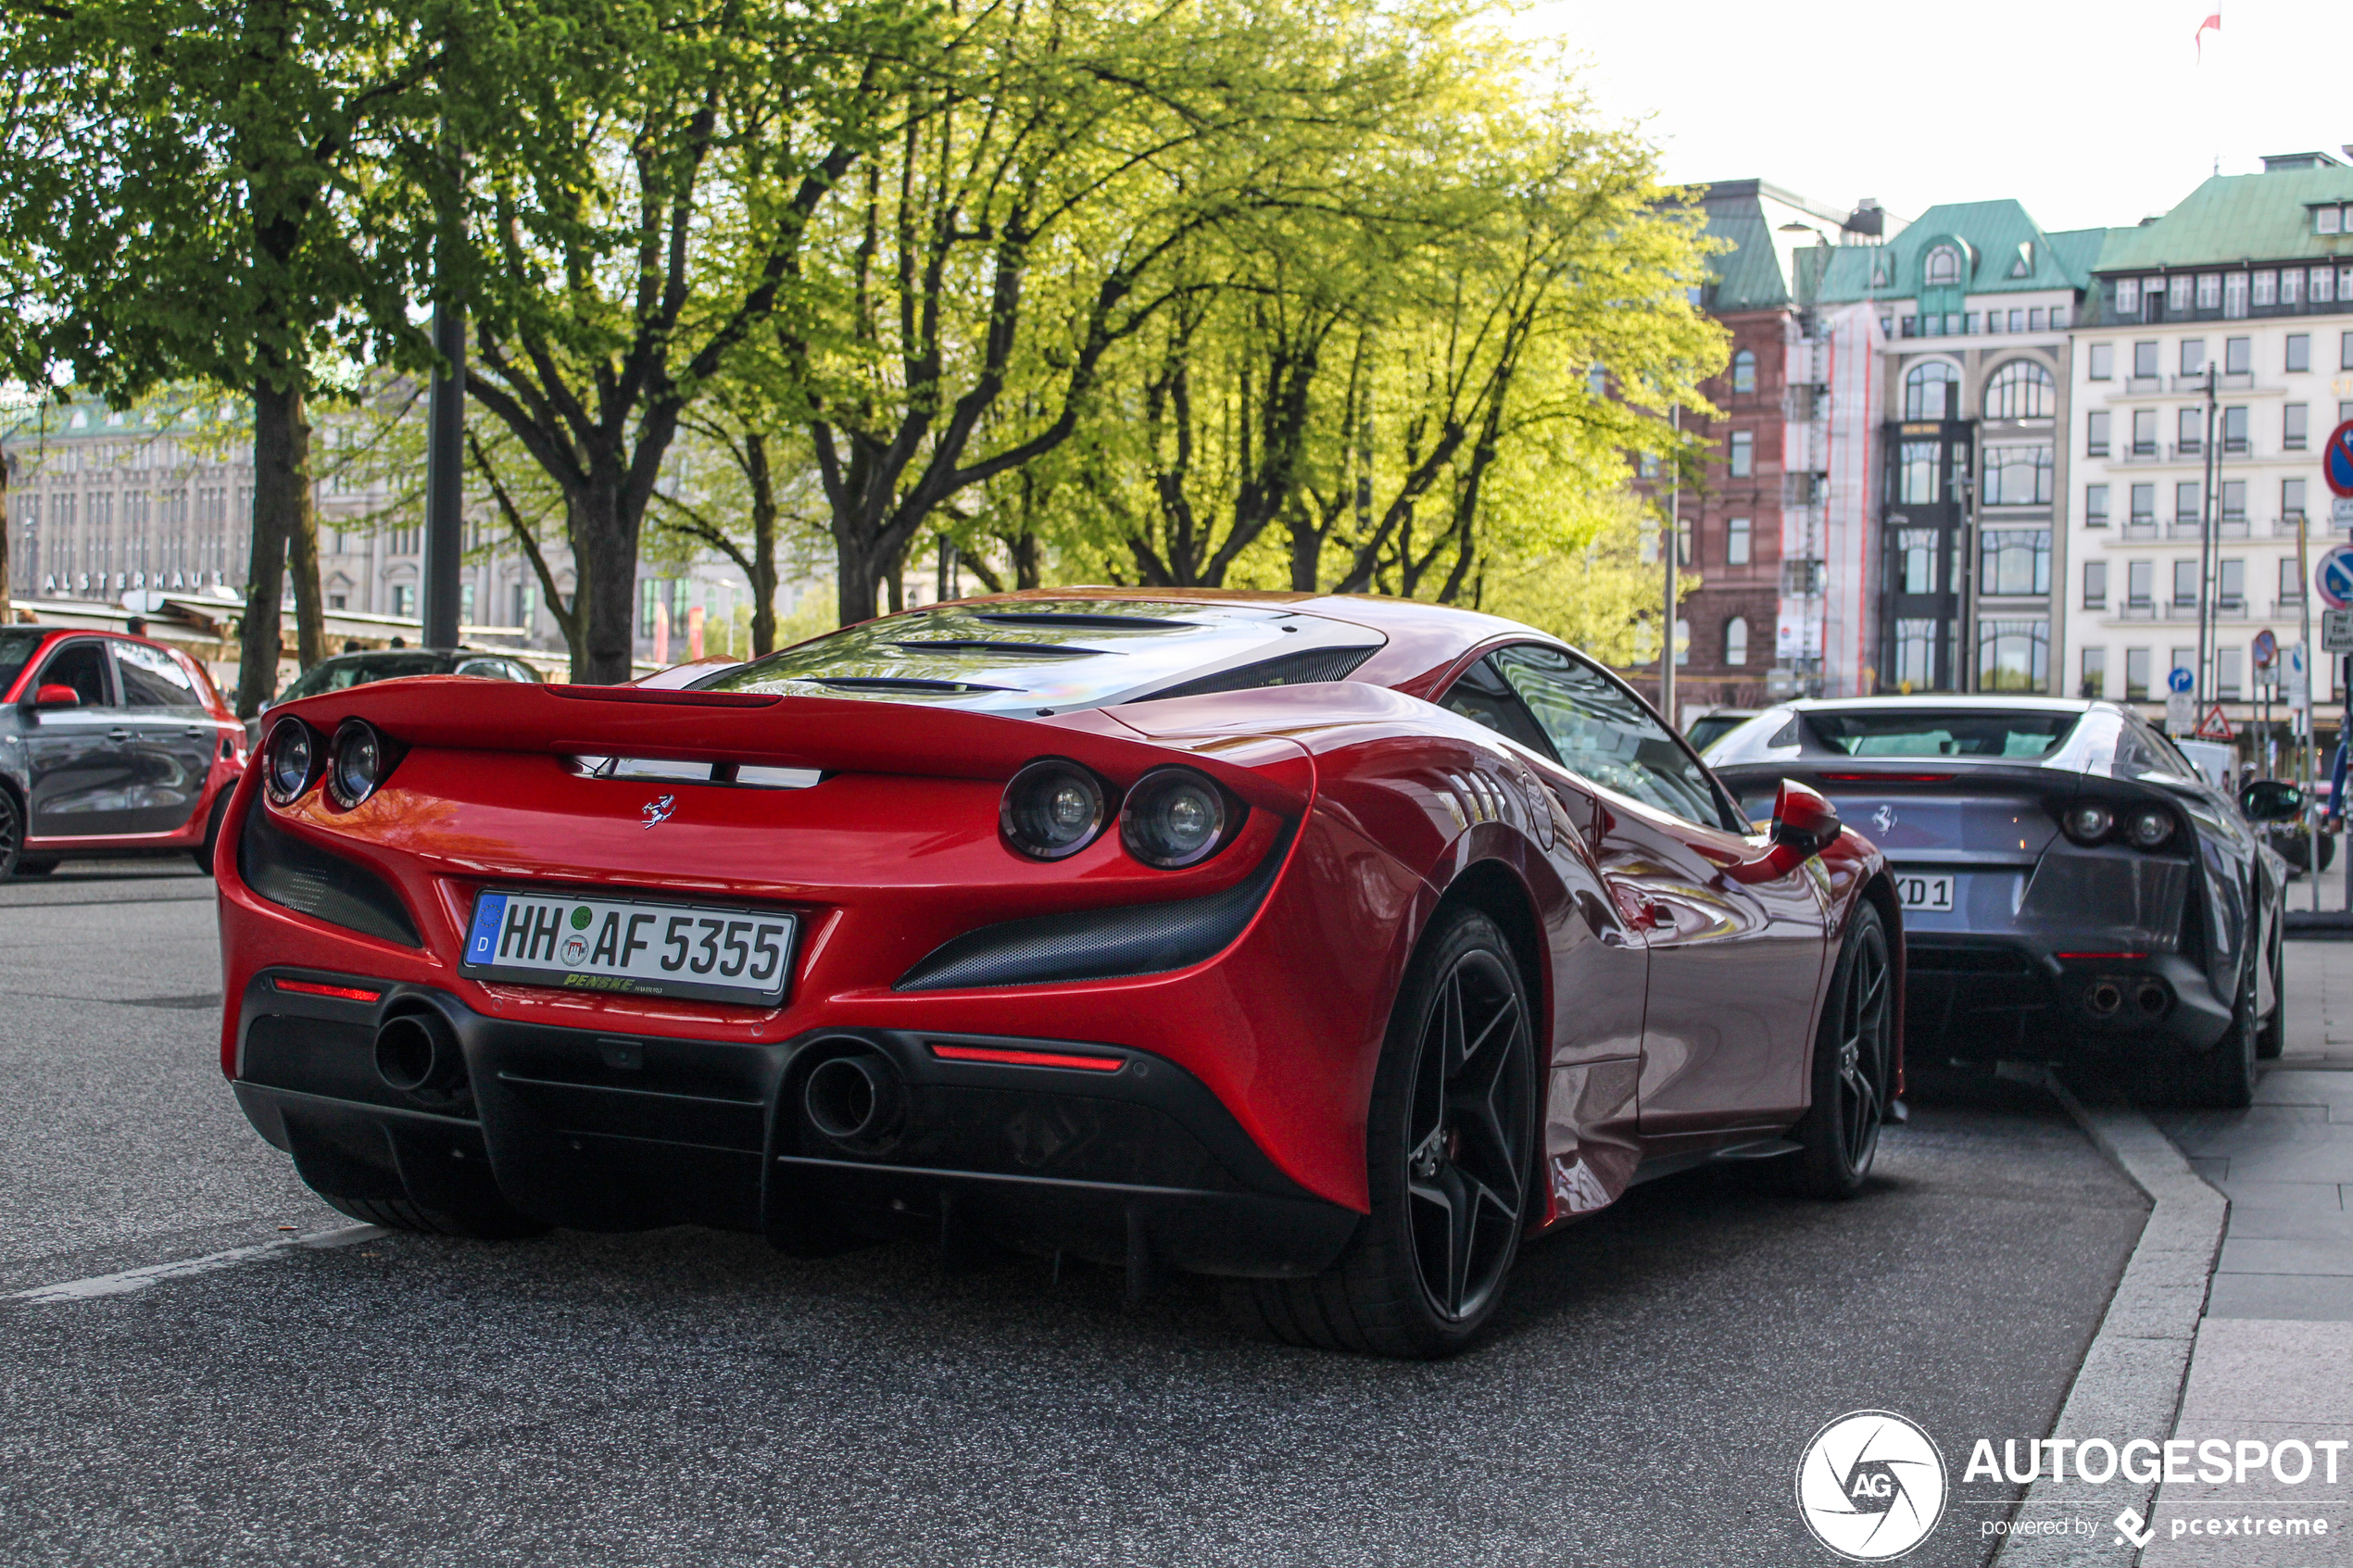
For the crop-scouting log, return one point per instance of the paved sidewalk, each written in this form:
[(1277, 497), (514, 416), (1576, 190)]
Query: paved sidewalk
[(2274, 1354)]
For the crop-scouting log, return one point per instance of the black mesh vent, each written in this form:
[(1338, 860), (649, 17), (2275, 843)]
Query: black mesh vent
[(1098, 944), (288, 871), (1290, 669)]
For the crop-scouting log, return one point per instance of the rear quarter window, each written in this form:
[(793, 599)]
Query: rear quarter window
[(1931, 733)]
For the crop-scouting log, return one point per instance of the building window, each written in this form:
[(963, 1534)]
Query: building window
[(2018, 476), (2344, 351), (2233, 296), (2095, 430), (1943, 266), (2144, 359), (2177, 293), (1735, 642), (1743, 454), (404, 599), (2095, 584), (1736, 541), (2292, 285), (2234, 430), (2020, 390), (2324, 281), (2327, 220), (1743, 372), (1932, 391), (2103, 361), (2227, 673), (2140, 585), (338, 601), (2210, 291), (2015, 560), (2265, 287), (1916, 479), (1682, 642), (2295, 426), (2094, 684), (2014, 655), (2234, 500), (2136, 674), (2299, 351), (1915, 655), (2231, 590), (2238, 356), (2189, 431), (2188, 502), (526, 606), (2193, 357), (2095, 506), (2059, 318), (2184, 583), (2144, 433), (1970, 327), (2291, 498), (2128, 296), (1915, 560), (649, 594), (2144, 504), (2291, 583)]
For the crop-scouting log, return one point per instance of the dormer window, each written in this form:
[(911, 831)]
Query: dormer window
[(2024, 265), (2328, 221), (1943, 266)]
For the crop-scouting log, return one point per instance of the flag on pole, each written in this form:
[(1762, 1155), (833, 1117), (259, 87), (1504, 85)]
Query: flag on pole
[(2198, 38)]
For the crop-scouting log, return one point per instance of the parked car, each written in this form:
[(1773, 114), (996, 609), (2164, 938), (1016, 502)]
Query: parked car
[(1715, 724), (343, 671), (2072, 886), (1322, 944), (109, 745)]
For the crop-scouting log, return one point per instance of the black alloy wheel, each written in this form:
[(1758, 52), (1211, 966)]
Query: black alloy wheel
[(1450, 1145), (11, 835), (1854, 1066), (2222, 1076)]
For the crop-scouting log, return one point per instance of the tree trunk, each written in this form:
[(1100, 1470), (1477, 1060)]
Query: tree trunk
[(763, 546), (280, 492), (604, 569), (302, 565), (1028, 561)]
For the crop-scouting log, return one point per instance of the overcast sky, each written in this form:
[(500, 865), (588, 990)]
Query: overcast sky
[(2089, 111)]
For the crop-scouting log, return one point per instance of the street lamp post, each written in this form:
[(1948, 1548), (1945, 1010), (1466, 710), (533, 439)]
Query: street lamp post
[(2209, 686), (1670, 545)]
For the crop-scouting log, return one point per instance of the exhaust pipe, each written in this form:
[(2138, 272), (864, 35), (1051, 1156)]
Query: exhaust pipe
[(854, 1098), (417, 1053), (2104, 998), (2152, 998)]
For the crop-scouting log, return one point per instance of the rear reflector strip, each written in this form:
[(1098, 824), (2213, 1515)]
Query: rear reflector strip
[(1029, 1058), (312, 988), (1888, 778)]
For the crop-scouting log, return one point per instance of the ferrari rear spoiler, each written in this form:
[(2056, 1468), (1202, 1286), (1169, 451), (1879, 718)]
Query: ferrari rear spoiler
[(829, 735)]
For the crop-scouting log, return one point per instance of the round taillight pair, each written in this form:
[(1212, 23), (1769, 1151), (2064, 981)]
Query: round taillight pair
[(1173, 818), (355, 765), (2089, 822), (2148, 827)]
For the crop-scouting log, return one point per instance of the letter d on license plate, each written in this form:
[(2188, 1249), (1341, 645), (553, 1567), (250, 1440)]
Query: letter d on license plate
[(636, 947)]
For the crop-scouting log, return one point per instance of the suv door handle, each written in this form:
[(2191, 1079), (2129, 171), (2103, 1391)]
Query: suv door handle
[(117, 733)]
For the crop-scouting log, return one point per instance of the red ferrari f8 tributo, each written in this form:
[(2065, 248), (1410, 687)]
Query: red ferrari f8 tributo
[(1334, 946)]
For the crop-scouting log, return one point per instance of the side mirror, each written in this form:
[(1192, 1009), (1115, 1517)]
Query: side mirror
[(2271, 801), (1804, 822), (57, 696)]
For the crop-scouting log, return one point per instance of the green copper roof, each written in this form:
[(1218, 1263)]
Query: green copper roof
[(1990, 235), (2235, 217), (1748, 272)]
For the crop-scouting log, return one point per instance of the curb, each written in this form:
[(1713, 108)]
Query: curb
[(2130, 1384)]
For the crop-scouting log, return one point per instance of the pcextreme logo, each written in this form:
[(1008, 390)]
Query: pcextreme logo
[(1871, 1485)]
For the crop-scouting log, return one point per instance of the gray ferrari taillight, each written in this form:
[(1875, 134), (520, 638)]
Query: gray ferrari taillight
[(291, 760), (1051, 809)]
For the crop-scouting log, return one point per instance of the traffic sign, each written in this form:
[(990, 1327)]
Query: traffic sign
[(2180, 679), (2267, 649), (2336, 460), (2215, 725), (2181, 708), (2334, 576), (2336, 631)]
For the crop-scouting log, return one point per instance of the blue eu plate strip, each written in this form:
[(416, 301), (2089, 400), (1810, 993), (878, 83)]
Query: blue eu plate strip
[(481, 945)]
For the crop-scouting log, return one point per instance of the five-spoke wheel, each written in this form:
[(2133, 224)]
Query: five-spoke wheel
[(1853, 1064)]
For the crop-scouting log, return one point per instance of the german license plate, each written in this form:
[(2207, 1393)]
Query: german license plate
[(637, 948), (1924, 890)]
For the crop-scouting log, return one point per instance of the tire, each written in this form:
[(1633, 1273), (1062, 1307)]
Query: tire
[(11, 835), (1853, 1067), (1449, 1147), (212, 830), (399, 1214), (2271, 1039), (2222, 1078)]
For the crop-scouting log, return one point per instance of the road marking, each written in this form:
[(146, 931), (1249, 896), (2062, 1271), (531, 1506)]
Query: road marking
[(128, 1280)]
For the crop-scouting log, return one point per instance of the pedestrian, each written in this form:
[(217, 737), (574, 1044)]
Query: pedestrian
[(400, 642), (351, 644), (137, 625)]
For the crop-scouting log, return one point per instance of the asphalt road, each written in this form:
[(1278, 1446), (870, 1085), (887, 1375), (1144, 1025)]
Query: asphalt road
[(687, 1396)]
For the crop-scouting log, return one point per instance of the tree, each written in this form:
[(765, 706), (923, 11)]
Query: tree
[(203, 201)]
